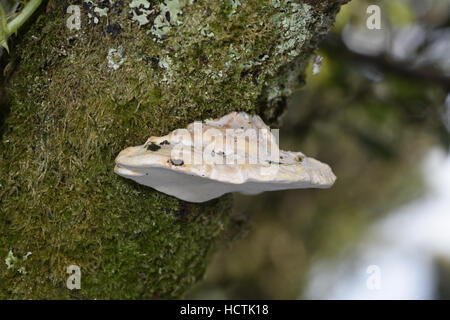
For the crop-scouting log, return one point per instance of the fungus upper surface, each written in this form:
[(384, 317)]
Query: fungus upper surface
[(235, 153)]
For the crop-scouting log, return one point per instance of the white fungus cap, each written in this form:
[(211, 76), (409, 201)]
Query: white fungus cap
[(235, 153)]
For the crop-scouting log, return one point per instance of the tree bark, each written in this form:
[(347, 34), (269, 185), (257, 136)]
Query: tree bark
[(81, 96)]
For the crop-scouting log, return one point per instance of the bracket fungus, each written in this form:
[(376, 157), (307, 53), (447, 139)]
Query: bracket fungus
[(235, 153)]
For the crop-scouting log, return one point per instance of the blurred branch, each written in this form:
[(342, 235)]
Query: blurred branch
[(334, 44)]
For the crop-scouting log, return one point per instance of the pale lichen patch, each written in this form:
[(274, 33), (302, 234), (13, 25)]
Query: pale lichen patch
[(102, 12), (166, 64), (234, 5), (138, 3), (291, 24), (142, 19), (10, 260), (255, 62), (206, 31), (168, 16), (276, 3), (13, 262), (141, 11), (106, 9), (233, 56), (115, 58)]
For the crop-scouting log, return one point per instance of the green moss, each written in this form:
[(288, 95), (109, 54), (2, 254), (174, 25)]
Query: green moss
[(73, 111)]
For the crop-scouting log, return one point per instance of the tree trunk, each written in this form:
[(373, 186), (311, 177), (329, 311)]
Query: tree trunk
[(134, 69)]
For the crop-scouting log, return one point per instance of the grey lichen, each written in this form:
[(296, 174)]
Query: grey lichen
[(234, 6), (140, 3), (13, 262), (10, 260), (115, 58), (206, 31), (102, 12), (293, 19), (141, 11), (166, 64), (164, 15), (169, 12)]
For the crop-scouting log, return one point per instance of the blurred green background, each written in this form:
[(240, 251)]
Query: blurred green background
[(379, 113), (376, 112)]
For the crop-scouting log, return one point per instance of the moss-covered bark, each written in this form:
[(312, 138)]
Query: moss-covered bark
[(81, 96)]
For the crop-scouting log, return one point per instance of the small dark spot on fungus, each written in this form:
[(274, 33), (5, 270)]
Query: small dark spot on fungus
[(177, 162), (153, 147), (164, 142), (168, 16), (298, 158)]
